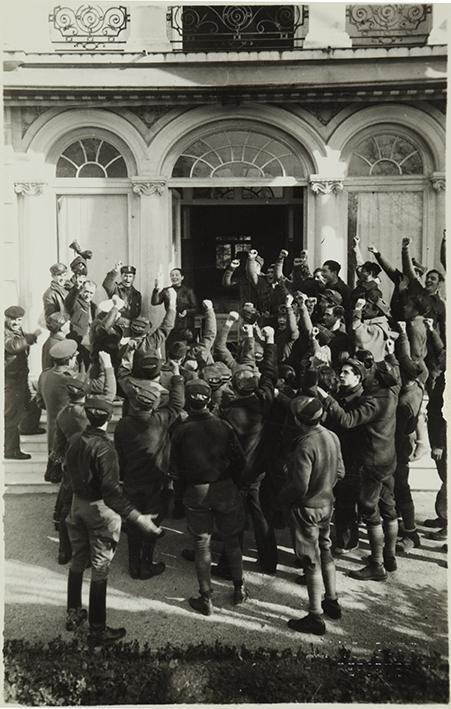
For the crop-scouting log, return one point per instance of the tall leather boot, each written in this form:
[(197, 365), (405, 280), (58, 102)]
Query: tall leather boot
[(100, 635), (65, 547), (148, 568), (76, 615)]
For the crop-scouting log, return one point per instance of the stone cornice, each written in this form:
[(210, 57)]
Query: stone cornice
[(148, 187), (29, 188), (325, 185)]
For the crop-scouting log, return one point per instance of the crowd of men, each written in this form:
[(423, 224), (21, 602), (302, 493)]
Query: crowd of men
[(303, 409)]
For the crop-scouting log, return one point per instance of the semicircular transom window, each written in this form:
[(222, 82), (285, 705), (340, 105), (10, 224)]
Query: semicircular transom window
[(238, 153), (91, 157), (385, 154)]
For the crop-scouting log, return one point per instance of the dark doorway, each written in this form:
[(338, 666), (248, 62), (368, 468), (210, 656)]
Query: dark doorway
[(219, 233)]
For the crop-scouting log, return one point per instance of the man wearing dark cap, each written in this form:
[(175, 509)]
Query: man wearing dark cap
[(94, 522), (313, 469), (17, 394), (126, 291), (58, 326), (207, 462), (54, 297), (52, 391), (142, 444)]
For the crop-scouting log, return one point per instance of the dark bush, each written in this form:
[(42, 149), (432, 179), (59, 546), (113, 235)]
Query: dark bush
[(70, 674)]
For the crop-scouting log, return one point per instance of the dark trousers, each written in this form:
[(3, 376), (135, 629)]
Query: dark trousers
[(17, 396), (30, 420), (265, 537), (347, 493), (403, 494), (441, 504)]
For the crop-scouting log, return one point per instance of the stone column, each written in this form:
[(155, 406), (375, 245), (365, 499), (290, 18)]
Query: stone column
[(36, 253), (155, 239), (438, 33), (438, 184), (330, 228), (327, 26)]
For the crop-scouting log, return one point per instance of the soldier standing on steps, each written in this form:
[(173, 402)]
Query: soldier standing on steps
[(17, 395)]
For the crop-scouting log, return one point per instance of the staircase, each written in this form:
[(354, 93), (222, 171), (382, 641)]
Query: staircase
[(27, 476)]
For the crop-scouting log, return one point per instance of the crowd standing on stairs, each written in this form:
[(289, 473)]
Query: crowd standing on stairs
[(304, 409)]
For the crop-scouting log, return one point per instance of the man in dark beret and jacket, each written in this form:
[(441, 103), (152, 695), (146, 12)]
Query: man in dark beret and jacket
[(17, 394), (55, 295), (94, 522)]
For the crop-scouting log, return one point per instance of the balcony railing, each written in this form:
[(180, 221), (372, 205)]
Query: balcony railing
[(399, 25), (89, 27), (233, 28)]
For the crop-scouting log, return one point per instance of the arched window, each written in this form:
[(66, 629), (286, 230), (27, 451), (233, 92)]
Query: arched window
[(385, 154), (238, 153), (91, 157)]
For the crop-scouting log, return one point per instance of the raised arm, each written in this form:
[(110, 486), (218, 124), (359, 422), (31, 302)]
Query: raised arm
[(391, 272), (109, 283), (305, 323), (251, 267), (210, 326), (407, 265), (222, 352)]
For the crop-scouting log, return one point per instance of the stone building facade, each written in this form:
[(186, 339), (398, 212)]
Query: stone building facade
[(166, 135)]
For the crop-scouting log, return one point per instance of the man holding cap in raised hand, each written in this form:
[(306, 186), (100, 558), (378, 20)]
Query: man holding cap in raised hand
[(94, 522), (17, 395), (126, 291)]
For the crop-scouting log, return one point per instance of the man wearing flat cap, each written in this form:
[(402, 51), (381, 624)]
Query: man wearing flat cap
[(52, 390), (126, 291), (94, 522), (54, 297), (17, 394)]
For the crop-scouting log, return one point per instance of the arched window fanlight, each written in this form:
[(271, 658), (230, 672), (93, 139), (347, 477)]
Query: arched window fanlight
[(238, 153), (385, 154), (91, 157)]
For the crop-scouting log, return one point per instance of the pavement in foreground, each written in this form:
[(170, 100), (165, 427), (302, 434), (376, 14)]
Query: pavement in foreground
[(408, 611)]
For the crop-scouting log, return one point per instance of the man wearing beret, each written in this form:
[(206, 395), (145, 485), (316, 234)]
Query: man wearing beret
[(313, 469), (17, 394), (142, 443), (52, 390), (94, 522), (54, 297), (126, 291), (207, 462)]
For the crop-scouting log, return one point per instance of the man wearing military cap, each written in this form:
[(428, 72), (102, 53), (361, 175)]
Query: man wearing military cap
[(126, 291), (58, 326), (52, 391), (54, 297), (17, 394), (94, 522)]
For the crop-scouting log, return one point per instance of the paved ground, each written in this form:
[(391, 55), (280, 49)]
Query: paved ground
[(409, 610)]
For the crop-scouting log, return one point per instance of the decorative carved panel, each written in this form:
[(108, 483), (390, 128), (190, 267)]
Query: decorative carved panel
[(373, 25)]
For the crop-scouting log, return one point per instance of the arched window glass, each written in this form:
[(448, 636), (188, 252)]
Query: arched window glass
[(91, 157), (385, 154), (238, 153)]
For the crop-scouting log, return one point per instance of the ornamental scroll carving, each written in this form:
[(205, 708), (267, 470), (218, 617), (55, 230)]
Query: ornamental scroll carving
[(325, 185), (149, 188), (438, 183), (28, 188)]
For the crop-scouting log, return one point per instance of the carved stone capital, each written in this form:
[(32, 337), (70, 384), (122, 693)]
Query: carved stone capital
[(438, 183), (325, 185), (29, 188), (149, 187)]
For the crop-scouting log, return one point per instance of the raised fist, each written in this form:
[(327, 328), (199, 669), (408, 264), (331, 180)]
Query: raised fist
[(356, 240), (207, 304), (372, 249), (429, 322), (118, 266), (406, 240), (157, 283), (312, 301), (301, 298), (361, 302), (248, 330), (253, 253), (283, 253), (390, 346), (315, 331), (233, 315), (402, 325), (235, 263), (181, 314), (304, 254), (289, 300), (268, 332)]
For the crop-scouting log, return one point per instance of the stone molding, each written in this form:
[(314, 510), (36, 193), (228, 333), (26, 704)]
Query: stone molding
[(29, 188), (438, 183), (149, 187), (325, 185)]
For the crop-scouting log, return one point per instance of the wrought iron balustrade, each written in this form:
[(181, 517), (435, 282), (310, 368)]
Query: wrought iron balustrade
[(222, 28), (89, 27), (400, 25)]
